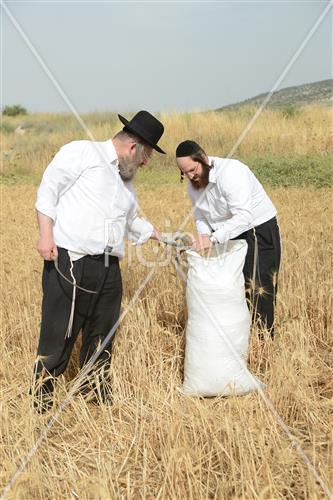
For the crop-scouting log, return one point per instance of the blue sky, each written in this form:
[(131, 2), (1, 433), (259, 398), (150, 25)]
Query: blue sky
[(160, 56)]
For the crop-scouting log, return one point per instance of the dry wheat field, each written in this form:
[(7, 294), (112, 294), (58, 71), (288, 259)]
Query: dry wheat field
[(154, 443)]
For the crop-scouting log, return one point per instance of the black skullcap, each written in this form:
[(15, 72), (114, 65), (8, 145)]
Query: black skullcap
[(187, 148)]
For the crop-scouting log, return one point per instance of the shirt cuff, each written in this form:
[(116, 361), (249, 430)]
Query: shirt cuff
[(140, 231), (203, 227), (219, 236)]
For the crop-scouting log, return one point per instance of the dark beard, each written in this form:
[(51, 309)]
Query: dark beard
[(202, 182)]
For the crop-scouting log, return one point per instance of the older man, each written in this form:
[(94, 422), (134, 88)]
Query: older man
[(85, 207), (230, 203)]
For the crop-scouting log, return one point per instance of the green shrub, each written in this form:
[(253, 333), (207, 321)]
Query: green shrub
[(14, 110), (289, 111), (300, 171)]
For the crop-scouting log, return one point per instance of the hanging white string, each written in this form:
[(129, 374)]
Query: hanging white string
[(71, 282), (71, 316)]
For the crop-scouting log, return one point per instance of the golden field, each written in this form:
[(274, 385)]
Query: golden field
[(153, 442)]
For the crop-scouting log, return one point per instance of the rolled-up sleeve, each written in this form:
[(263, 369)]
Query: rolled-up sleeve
[(236, 189), (59, 176), (139, 230)]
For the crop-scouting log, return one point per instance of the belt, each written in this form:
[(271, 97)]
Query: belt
[(98, 256), (102, 256), (274, 219)]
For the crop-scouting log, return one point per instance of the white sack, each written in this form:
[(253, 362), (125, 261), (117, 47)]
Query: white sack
[(218, 326)]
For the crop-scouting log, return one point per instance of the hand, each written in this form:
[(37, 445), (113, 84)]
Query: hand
[(47, 248), (202, 243), (184, 239), (157, 235), (177, 239)]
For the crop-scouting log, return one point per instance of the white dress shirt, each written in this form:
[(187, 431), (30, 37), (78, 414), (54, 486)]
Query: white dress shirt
[(92, 208), (233, 202)]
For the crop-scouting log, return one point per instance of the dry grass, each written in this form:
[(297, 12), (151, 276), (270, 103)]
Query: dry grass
[(307, 133), (154, 443)]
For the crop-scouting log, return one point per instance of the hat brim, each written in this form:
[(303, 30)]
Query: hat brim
[(139, 133)]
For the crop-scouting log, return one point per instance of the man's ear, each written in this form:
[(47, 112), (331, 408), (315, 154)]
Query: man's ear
[(132, 147)]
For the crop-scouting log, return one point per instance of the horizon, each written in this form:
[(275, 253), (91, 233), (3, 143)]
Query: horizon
[(169, 112)]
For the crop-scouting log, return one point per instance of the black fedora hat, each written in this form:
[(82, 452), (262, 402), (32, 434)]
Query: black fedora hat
[(146, 127)]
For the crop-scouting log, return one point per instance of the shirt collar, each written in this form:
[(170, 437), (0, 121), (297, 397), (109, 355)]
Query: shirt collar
[(111, 152), (212, 172)]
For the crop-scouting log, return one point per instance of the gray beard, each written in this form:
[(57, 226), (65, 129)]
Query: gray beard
[(128, 167), (127, 171)]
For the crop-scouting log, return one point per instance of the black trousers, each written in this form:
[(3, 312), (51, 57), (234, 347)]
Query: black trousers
[(262, 290), (95, 314)]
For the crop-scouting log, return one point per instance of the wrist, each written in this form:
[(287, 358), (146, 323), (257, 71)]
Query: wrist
[(46, 235)]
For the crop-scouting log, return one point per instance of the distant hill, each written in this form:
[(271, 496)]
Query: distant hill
[(317, 93)]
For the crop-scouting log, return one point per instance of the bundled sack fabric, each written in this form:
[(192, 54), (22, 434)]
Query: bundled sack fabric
[(218, 326)]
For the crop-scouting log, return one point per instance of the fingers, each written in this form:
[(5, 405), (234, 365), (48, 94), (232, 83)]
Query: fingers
[(202, 243), (54, 253), (156, 235), (47, 249), (46, 254), (197, 245)]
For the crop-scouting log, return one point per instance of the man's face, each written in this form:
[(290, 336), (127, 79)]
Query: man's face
[(194, 171), (136, 155)]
